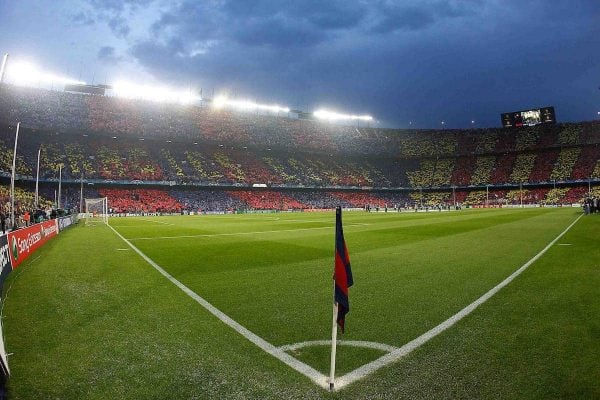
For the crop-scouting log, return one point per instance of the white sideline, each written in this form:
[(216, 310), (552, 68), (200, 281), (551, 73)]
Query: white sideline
[(276, 352), (395, 355)]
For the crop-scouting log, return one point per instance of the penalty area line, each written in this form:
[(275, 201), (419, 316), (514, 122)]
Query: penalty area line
[(395, 355), (281, 355)]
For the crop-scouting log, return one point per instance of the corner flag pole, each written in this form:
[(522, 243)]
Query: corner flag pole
[(333, 342), (342, 280)]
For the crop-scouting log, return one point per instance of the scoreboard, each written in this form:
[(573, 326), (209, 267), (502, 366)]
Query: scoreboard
[(533, 117)]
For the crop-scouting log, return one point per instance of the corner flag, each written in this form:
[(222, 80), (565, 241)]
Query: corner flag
[(342, 280), (342, 272)]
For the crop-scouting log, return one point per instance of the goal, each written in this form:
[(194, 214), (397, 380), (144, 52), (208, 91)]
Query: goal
[(96, 211)]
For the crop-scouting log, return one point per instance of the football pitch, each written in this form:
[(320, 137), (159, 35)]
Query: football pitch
[(239, 307)]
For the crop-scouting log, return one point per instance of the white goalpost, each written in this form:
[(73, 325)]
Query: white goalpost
[(96, 211)]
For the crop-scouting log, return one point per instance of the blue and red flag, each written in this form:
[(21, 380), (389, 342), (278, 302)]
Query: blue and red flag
[(342, 273)]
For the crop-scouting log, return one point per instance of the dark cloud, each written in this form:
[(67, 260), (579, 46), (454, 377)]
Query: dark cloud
[(278, 32), (82, 18), (107, 54), (391, 17), (407, 17), (258, 23), (422, 61), (114, 13), (333, 14), (116, 5), (118, 25)]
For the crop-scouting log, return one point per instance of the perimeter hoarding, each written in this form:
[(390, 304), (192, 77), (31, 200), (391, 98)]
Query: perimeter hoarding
[(6, 269), (23, 242)]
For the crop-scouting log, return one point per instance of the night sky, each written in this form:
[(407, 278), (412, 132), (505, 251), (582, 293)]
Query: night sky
[(400, 61)]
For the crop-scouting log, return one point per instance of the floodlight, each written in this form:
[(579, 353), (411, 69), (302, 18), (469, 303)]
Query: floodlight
[(246, 105), (219, 101), (153, 93), (333, 116), (23, 73)]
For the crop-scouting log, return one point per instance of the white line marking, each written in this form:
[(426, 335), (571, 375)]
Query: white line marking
[(564, 244), (122, 249), (300, 220), (306, 370), (352, 343), (156, 222), (395, 355), (236, 233), (142, 226), (361, 372)]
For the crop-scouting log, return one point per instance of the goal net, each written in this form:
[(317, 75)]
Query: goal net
[(96, 211)]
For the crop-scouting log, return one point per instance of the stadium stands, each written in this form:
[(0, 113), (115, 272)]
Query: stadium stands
[(140, 200), (206, 153), (267, 200)]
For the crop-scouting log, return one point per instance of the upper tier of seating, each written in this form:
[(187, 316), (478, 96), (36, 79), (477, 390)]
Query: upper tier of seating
[(111, 139), (167, 162), (77, 113)]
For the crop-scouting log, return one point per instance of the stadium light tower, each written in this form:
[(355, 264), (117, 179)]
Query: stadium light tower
[(81, 192), (454, 195), (12, 179), (521, 192), (59, 185), (37, 179), (3, 67)]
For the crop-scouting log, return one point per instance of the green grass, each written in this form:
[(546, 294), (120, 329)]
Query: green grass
[(87, 320)]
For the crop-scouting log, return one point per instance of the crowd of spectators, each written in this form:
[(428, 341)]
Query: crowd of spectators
[(320, 199), (139, 201), (111, 140), (586, 164), (268, 200), (565, 163), (206, 200), (483, 170), (462, 173), (361, 199), (522, 167), (545, 163), (26, 211), (117, 159), (60, 111)]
